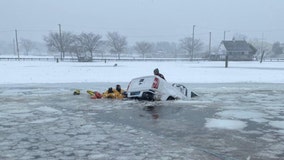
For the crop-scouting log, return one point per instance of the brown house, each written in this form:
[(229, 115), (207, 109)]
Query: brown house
[(236, 51)]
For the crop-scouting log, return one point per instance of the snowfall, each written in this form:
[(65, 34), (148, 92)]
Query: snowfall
[(237, 115)]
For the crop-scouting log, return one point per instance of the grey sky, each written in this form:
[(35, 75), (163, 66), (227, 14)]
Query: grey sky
[(150, 20)]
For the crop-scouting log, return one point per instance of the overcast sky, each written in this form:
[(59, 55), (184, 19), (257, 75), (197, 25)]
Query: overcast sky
[(150, 20)]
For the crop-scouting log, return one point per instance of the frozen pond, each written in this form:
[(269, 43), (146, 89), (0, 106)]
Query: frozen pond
[(227, 121)]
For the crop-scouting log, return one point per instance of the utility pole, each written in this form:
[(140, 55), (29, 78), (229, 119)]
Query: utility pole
[(17, 44), (261, 50), (209, 43), (227, 56), (261, 57), (192, 47), (261, 42), (60, 41), (14, 47)]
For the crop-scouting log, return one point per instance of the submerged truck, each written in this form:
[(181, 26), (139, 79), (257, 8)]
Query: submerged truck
[(154, 88)]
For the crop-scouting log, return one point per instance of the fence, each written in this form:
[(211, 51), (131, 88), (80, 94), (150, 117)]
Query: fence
[(70, 59), (274, 60)]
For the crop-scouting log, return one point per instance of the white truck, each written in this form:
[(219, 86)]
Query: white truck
[(154, 88)]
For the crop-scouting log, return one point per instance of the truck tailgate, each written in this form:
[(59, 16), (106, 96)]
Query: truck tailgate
[(143, 83)]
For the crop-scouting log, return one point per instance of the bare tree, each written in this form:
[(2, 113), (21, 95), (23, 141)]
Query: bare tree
[(143, 47), (186, 44), (116, 42), (277, 49), (62, 43), (261, 46), (90, 42), (27, 45), (77, 49), (165, 49)]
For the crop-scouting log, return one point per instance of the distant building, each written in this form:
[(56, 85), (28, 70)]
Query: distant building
[(237, 51)]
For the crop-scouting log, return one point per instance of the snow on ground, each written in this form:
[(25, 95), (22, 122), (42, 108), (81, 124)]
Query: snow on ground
[(179, 72)]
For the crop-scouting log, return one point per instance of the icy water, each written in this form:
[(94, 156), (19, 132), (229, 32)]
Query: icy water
[(226, 121)]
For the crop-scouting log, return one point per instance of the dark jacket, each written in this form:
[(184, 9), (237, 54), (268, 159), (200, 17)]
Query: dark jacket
[(161, 75)]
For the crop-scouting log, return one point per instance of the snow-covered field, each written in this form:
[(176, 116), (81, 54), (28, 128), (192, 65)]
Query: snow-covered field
[(181, 72), (238, 114)]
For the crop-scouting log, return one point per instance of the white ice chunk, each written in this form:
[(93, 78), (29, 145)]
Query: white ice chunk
[(49, 110), (46, 120), (225, 124), (277, 124)]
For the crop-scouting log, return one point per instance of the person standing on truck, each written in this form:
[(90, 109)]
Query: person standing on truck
[(157, 73)]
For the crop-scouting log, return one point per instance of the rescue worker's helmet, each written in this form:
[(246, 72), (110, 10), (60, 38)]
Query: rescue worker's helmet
[(110, 90), (118, 88)]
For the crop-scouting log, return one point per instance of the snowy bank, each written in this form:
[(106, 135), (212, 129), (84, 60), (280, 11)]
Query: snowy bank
[(22, 72)]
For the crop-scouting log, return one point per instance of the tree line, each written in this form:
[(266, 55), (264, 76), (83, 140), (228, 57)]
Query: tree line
[(86, 45)]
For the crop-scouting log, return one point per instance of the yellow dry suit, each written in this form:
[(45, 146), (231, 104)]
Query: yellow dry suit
[(113, 93)]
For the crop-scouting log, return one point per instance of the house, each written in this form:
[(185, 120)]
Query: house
[(237, 50)]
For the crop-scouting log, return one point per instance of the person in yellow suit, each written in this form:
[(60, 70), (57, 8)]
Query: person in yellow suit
[(116, 93), (120, 93)]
